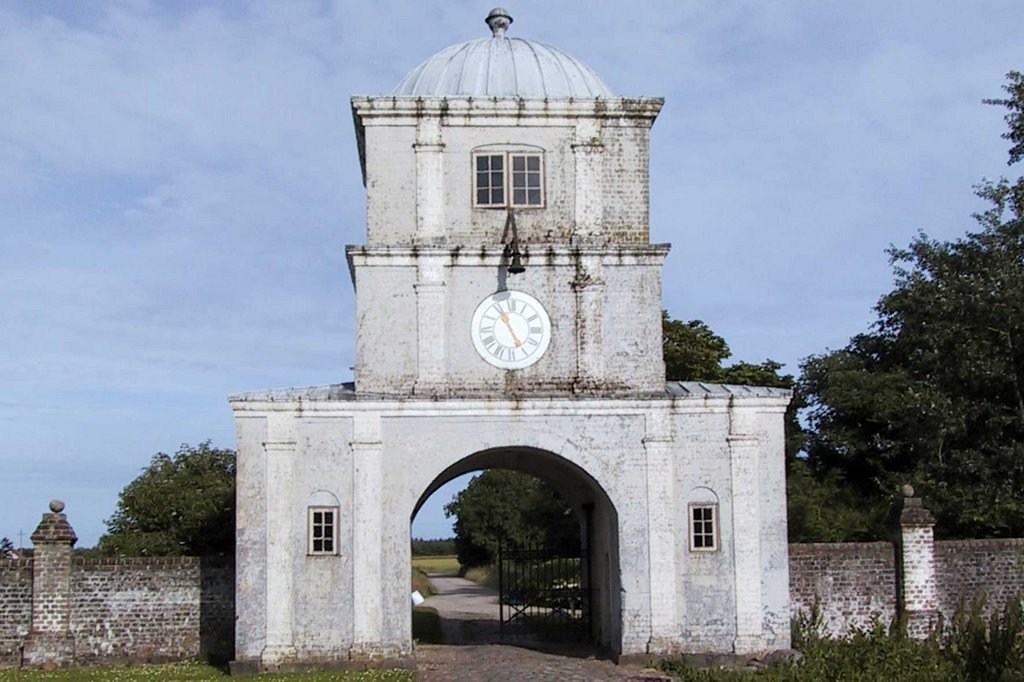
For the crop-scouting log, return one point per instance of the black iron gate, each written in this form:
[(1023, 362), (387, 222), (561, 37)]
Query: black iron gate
[(543, 593)]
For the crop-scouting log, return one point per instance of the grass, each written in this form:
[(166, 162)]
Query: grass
[(483, 575), (437, 565), (187, 672), (421, 583), (426, 625)]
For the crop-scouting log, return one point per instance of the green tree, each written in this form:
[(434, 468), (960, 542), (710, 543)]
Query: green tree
[(180, 505), (7, 550), (934, 393), (510, 507)]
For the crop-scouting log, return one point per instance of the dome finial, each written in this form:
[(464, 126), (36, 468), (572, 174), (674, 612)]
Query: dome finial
[(499, 20)]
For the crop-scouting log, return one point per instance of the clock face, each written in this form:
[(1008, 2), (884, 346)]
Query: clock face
[(511, 330)]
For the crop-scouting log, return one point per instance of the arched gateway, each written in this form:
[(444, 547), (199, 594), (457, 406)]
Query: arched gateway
[(509, 315)]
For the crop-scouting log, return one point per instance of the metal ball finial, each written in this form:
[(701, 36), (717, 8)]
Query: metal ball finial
[(56, 506), (499, 20)]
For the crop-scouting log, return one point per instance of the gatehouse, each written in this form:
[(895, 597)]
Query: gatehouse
[(508, 305)]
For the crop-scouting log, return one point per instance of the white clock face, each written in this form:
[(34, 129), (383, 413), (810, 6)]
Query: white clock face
[(511, 330)]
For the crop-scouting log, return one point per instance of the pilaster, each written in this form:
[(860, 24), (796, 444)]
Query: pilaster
[(589, 286), (281, 546), (430, 325), (429, 150), (661, 529), (50, 644), (746, 537), (588, 155), (367, 537)]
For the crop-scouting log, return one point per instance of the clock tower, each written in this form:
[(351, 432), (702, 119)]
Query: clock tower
[(507, 245), (508, 304)]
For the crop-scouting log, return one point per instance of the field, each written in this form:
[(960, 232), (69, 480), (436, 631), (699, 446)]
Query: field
[(436, 565), (189, 672)]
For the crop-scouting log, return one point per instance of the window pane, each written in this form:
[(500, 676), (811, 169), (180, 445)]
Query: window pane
[(533, 163), (318, 517), (518, 197), (481, 163), (497, 162), (497, 197), (534, 197), (329, 545), (518, 163)]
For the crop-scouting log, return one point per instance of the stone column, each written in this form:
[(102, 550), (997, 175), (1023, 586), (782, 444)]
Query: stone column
[(918, 591), (50, 644)]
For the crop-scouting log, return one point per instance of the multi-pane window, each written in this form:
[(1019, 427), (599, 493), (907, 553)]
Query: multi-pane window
[(703, 527), (510, 179), (323, 530)]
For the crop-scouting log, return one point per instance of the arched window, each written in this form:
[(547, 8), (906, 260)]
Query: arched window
[(322, 524), (702, 513)]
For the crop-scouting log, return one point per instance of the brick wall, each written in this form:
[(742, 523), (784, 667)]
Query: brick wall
[(968, 568), (15, 607), (853, 583), (138, 609), (151, 609)]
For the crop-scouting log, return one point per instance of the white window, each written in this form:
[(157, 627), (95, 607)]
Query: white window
[(703, 527), (323, 530), (508, 179)]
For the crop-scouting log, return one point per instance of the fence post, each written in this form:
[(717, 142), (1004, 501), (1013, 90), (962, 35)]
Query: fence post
[(50, 644), (919, 592)]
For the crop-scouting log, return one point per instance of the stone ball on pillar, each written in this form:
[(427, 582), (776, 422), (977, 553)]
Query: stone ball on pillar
[(908, 490), (56, 506)]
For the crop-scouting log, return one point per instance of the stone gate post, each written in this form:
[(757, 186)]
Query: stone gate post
[(918, 592), (50, 644)]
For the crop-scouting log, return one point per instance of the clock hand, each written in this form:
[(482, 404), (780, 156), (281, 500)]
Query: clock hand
[(504, 318)]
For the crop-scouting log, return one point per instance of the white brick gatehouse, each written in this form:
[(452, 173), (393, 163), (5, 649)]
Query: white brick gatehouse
[(508, 305)]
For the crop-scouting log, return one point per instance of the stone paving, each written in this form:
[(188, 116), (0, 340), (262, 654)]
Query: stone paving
[(469, 626), (483, 662)]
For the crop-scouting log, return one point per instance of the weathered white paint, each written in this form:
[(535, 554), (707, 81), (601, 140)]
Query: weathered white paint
[(594, 415)]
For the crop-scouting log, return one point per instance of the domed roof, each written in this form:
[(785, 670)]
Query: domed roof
[(500, 66)]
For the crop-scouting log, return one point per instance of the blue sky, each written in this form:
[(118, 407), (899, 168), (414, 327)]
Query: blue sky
[(178, 181)]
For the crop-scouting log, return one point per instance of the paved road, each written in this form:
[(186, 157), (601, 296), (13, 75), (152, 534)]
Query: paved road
[(473, 649), (462, 599)]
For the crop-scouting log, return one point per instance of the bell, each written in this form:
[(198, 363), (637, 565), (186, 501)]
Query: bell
[(516, 266)]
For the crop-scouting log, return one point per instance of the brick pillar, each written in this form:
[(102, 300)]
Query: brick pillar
[(50, 644), (917, 561)]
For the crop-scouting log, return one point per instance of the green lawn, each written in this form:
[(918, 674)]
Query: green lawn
[(186, 672)]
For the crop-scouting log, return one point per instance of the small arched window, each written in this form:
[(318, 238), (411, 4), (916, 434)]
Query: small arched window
[(702, 513), (322, 524)]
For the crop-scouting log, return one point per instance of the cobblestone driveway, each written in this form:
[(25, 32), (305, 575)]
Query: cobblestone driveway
[(503, 663)]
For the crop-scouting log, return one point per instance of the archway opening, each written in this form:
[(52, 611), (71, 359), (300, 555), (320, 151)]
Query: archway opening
[(547, 588)]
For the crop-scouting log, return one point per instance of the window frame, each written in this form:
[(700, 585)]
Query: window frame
[(312, 525), (692, 522), (507, 186)]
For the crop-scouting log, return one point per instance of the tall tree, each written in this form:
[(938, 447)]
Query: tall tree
[(502, 506), (7, 550), (180, 505), (934, 393)]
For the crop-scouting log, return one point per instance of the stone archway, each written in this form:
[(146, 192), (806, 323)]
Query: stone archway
[(596, 513)]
